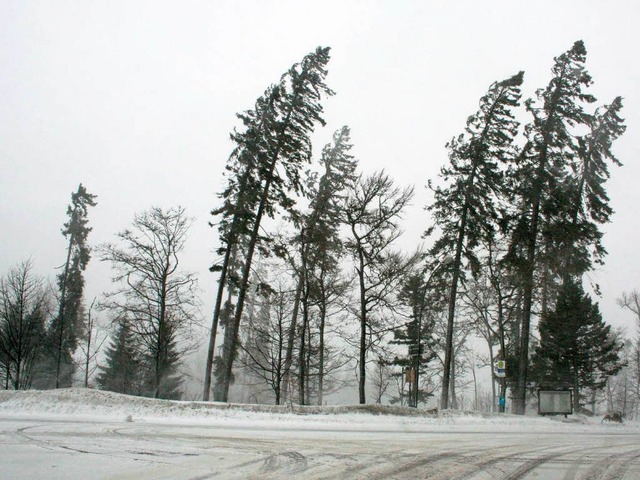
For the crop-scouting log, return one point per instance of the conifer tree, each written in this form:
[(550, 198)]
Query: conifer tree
[(320, 248), (558, 182), (465, 210), (67, 327), (282, 148), (579, 234), (423, 298), (577, 348), (122, 371), (240, 199)]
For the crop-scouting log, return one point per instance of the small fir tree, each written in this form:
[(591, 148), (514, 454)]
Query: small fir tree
[(577, 348), (121, 372)]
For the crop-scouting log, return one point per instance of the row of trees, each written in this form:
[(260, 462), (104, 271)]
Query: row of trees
[(311, 283), (48, 337), (40, 330), (516, 219)]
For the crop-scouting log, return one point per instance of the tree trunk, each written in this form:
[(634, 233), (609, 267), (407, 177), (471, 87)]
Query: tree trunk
[(214, 324), (302, 372), (454, 400), (323, 311), (363, 332), (520, 400), (246, 271), (63, 294), (86, 365), (288, 361), (462, 230)]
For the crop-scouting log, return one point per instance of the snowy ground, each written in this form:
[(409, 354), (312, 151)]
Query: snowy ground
[(78, 434)]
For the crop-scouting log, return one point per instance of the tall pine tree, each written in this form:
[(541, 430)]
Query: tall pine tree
[(282, 148), (240, 199), (320, 248), (465, 210), (558, 182), (67, 327)]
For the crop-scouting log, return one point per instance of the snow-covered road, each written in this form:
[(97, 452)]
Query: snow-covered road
[(68, 449), (88, 434)]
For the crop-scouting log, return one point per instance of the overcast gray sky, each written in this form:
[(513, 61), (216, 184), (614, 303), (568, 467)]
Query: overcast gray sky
[(135, 99)]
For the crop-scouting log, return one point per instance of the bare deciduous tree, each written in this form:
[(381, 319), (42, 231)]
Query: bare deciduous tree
[(155, 297), (24, 307), (93, 342), (373, 210)]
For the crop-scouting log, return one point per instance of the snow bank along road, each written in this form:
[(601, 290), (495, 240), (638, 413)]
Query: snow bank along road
[(86, 434), (49, 448)]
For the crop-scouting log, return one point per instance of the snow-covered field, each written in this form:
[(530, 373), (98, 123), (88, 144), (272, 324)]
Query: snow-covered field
[(78, 434)]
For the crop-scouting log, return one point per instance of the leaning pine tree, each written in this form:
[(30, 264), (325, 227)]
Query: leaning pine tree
[(465, 210), (579, 242), (240, 198), (319, 245), (278, 149), (558, 182)]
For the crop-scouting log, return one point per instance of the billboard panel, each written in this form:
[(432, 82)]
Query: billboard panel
[(555, 402)]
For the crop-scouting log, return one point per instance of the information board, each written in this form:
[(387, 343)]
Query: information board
[(555, 402)]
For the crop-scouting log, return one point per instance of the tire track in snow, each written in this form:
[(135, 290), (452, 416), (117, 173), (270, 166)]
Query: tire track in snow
[(58, 445), (526, 468), (446, 464), (613, 466)]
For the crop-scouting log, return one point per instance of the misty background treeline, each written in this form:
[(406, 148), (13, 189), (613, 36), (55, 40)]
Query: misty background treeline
[(315, 296)]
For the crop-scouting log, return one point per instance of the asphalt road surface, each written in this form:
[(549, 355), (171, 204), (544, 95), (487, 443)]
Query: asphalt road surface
[(32, 449)]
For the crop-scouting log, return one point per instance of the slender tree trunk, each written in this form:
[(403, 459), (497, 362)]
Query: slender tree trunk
[(279, 365), (454, 400), (523, 361), (214, 324), (363, 332), (323, 310), (288, 362), (493, 380), (448, 351), (228, 260), (86, 364), (246, 272), (302, 373), (503, 352), (61, 308), (307, 382)]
